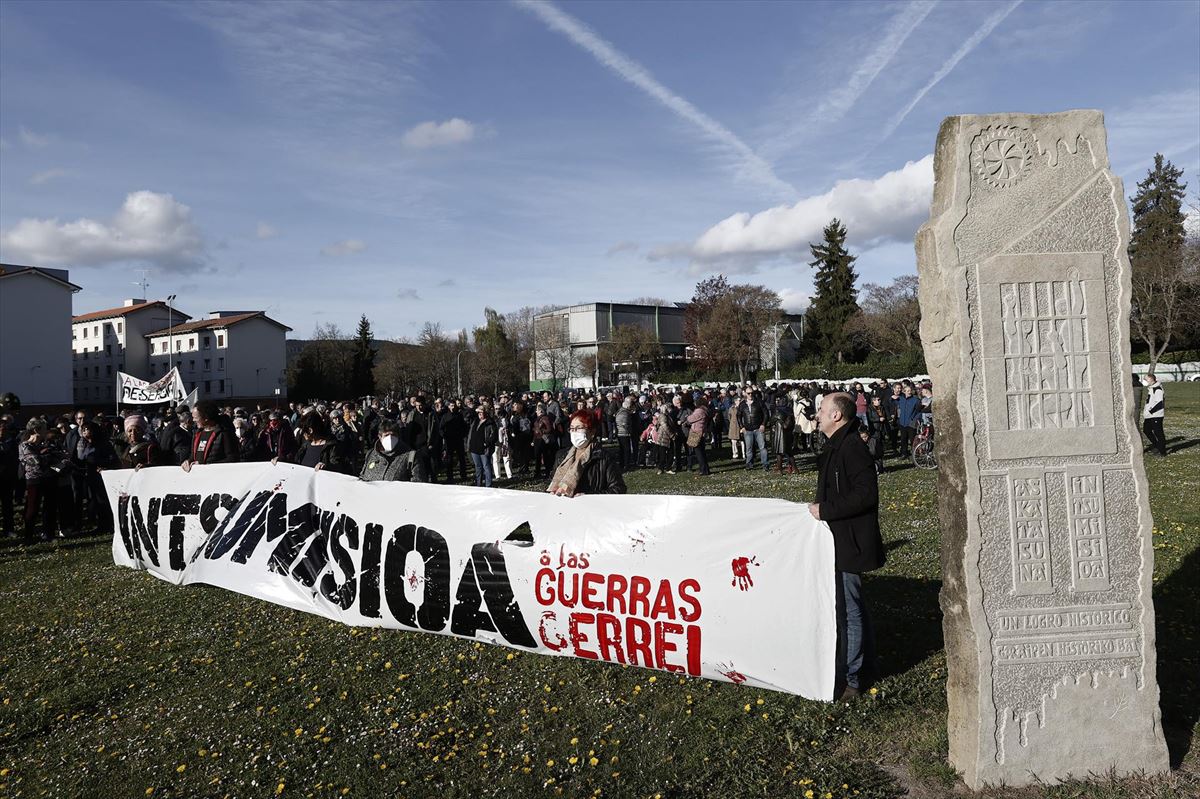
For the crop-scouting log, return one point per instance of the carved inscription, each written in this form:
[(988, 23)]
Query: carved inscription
[(1030, 534), (1047, 368), (1047, 384), (1066, 650), (1089, 541)]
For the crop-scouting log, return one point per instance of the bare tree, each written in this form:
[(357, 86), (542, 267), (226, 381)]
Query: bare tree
[(889, 317), (649, 301), (634, 345), (519, 325), (729, 334), (552, 352)]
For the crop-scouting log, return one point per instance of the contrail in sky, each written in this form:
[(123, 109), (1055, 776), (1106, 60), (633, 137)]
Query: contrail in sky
[(839, 101), (754, 165), (970, 44)]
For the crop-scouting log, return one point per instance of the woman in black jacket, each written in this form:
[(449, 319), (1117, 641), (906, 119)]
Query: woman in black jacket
[(320, 449), (481, 443), (96, 453), (583, 467)]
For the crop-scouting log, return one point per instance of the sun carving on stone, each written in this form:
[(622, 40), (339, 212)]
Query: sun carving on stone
[(1004, 155)]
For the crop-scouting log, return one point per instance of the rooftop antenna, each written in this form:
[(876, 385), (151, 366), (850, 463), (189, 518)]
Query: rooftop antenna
[(143, 283)]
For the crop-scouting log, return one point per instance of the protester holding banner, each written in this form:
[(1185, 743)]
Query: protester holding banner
[(584, 467), (320, 449), (848, 501), (213, 442), (391, 459), (143, 449)]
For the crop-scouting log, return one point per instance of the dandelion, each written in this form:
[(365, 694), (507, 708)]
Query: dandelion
[(595, 761), (181, 768), (279, 789), (574, 741), (808, 794), (550, 762), (572, 760), (747, 707)]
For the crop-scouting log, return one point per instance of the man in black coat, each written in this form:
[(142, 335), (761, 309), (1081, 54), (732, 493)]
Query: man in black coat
[(848, 501)]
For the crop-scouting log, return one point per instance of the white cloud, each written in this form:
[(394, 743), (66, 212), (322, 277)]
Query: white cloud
[(751, 164), (42, 178), (33, 140), (344, 247), (265, 231), (890, 207), (150, 227), (439, 134), (969, 45), (794, 300)]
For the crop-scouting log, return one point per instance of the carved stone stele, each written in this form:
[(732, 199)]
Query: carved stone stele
[(1046, 533)]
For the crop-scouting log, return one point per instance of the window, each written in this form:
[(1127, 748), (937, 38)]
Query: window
[(220, 363), (207, 363), (221, 386), (73, 333), (85, 332), (108, 349), (191, 343), (96, 371), (207, 342), (96, 348), (192, 364), (96, 331), (220, 340), (118, 327), (207, 386), (108, 370), (121, 367), (178, 346)]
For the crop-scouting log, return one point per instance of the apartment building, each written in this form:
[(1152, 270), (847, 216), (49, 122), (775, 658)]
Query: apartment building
[(114, 340)]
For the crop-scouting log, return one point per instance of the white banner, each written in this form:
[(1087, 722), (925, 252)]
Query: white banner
[(740, 590), (134, 391)]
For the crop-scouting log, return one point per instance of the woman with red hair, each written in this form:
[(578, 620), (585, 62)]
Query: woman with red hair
[(584, 467)]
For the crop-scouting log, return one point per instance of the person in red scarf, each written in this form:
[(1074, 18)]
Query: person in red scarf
[(277, 443), (213, 441)]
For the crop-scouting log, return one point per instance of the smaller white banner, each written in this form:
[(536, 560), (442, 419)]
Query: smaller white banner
[(168, 388)]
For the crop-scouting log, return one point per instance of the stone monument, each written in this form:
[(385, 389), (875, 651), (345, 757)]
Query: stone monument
[(1046, 533)]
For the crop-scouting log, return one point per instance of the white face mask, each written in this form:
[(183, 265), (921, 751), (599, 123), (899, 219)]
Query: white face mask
[(389, 442), (578, 438)]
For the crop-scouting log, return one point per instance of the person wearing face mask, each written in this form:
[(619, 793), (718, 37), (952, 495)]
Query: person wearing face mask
[(276, 442), (393, 460), (246, 440), (1153, 413), (583, 467)]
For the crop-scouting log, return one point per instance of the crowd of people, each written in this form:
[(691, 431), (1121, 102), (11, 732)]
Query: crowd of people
[(579, 441)]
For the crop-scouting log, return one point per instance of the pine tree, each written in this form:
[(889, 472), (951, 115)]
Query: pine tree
[(362, 363), (1160, 279), (836, 299)]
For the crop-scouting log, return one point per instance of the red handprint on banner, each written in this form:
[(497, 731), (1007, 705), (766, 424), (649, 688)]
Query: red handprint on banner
[(741, 572)]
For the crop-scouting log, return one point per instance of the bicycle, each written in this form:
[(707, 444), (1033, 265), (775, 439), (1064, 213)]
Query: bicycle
[(923, 455)]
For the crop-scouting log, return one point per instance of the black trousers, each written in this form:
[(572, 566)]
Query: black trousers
[(696, 454), (41, 494), (1153, 428), (8, 485)]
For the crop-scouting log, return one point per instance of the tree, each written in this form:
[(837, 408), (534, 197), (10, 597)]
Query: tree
[(634, 345), (519, 325), (362, 363), (1160, 276), (725, 324), (836, 300), (323, 368), (647, 301), (495, 357), (890, 317), (553, 354)]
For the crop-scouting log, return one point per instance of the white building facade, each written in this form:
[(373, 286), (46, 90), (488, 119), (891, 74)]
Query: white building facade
[(229, 355), (35, 307), (114, 340)]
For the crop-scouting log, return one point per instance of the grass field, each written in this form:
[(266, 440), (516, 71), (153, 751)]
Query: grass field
[(114, 684)]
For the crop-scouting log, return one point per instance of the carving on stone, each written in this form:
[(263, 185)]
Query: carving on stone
[(1030, 527), (1047, 551), (1043, 358), (1004, 155), (1089, 539)]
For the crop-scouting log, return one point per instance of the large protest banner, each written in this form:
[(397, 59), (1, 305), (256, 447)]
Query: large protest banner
[(740, 590), (134, 391)]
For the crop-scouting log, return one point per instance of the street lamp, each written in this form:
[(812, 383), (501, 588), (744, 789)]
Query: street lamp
[(170, 346)]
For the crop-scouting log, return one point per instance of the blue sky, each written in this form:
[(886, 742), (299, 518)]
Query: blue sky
[(420, 161)]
